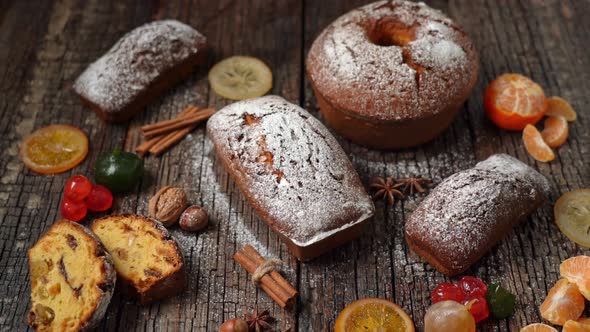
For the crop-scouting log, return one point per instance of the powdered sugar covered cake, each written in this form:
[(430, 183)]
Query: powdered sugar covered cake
[(293, 172), (472, 210), (143, 63)]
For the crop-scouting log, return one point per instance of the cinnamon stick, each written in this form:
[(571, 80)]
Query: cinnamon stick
[(144, 147), (278, 278), (180, 123), (272, 283)]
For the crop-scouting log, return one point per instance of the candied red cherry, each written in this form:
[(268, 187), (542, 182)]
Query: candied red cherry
[(473, 287), (77, 188), (478, 307), (447, 291), (99, 199), (73, 210)]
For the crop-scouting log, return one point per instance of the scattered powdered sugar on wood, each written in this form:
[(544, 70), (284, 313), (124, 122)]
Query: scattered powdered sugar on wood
[(135, 61), (465, 213), (394, 81), (291, 168)]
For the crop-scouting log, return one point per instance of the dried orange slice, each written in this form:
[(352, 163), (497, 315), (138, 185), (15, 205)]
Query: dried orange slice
[(535, 145), (555, 131), (556, 106), (572, 216), (54, 149), (512, 101), (564, 302), (577, 271), (538, 327), (580, 325), (240, 77), (373, 314)]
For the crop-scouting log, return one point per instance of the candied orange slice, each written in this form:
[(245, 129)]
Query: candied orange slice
[(54, 149), (572, 216), (373, 314), (535, 145), (577, 271), (555, 131), (538, 327), (580, 325), (564, 302), (240, 77), (512, 101), (556, 106)]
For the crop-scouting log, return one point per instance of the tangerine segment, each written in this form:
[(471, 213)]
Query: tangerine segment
[(572, 216), (54, 149), (372, 314), (556, 106), (556, 131), (535, 145), (577, 271), (538, 327), (512, 101), (576, 326), (240, 77), (564, 302)]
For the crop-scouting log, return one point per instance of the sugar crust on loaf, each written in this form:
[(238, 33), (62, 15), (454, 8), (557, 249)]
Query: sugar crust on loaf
[(115, 80), (293, 166)]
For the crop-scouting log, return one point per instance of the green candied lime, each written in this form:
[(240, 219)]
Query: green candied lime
[(118, 170), (500, 301)]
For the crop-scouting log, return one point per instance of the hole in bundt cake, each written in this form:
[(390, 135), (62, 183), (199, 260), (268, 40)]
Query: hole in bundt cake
[(388, 32)]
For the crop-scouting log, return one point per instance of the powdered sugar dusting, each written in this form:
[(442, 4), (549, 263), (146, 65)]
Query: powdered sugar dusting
[(463, 215), (114, 80), (291, 167), (394, 82)]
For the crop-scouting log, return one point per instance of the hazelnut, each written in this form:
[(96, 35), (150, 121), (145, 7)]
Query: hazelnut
[(194, 219), (167, 205), (234, 325)]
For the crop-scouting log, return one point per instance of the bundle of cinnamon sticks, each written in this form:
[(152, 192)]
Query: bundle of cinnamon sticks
[(160, 136), (271, 282)]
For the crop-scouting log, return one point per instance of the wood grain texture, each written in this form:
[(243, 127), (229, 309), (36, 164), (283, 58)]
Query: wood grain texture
[(44, 45)]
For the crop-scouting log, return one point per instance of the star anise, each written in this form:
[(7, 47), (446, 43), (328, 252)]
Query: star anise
[(260, 321), (386, 189), (413, 184)]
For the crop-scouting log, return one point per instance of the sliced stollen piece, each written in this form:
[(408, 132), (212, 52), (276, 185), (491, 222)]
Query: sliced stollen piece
[(293, 172), (139, 67), (472, 210), (147, 259), (72, 279)]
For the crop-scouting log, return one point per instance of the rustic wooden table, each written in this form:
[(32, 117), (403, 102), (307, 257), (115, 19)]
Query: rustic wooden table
[(45, 44)]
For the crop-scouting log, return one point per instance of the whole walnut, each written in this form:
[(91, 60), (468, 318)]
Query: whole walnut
[(167, 205), (234, 325), (194, 219)]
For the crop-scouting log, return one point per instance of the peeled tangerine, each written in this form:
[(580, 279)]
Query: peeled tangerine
[(564, 302), (449, 316), (556, 106), (538, 327), (535, 145), (577, 270)]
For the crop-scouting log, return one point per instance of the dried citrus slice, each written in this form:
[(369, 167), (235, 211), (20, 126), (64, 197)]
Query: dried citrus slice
[(240, 77), (512, 101), (564, 302), (373, 314), (556, 106), (555, 131), (535, 145), (538, 327), (577, 271), (54, 149), (572, 216), (580, 325)]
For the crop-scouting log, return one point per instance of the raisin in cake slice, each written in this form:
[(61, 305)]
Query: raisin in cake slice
[(72, 279), (147, 259)]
